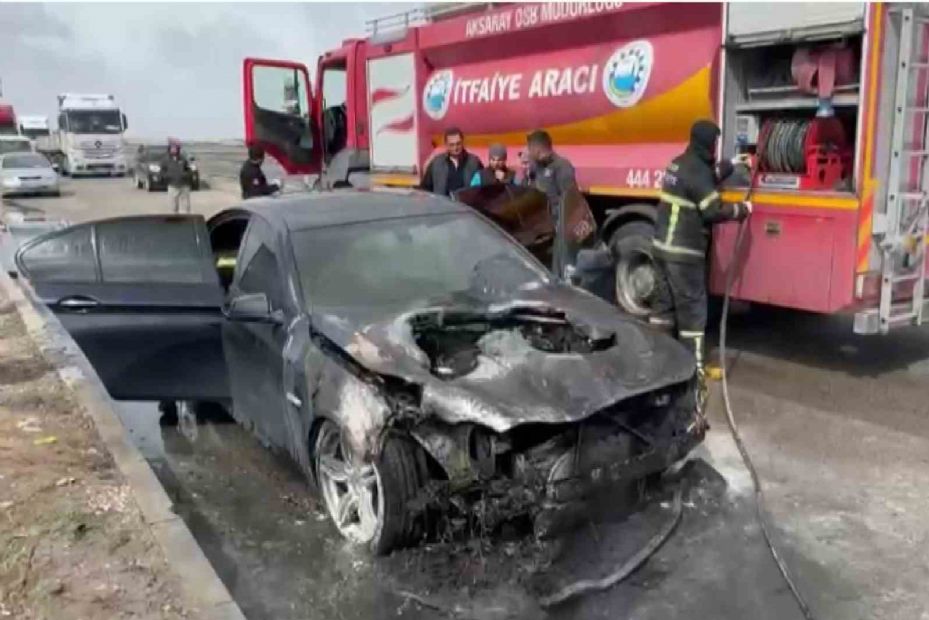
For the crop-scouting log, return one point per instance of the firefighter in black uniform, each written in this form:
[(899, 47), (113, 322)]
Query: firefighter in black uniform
[(690, 205), (251, 179)]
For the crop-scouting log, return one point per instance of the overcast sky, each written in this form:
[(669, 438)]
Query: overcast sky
[(176, 69)]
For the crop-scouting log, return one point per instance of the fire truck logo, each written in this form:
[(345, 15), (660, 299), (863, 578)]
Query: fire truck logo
[(626, 74), (437, 94)]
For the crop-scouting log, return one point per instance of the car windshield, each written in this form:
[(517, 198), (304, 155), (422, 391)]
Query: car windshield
[(15, 146), (391, 262), (26, 160), (94, 121)]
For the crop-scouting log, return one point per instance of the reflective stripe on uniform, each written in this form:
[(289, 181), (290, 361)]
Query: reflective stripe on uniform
[(672, 223), (697, 338), (671, 199), (225, 261), (706, 201), (673, 249)]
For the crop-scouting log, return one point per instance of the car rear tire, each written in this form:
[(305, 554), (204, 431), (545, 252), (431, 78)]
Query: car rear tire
[(369, 502), (636, 272)]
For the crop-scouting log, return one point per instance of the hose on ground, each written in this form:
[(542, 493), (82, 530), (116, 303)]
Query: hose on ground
[(734, 429)]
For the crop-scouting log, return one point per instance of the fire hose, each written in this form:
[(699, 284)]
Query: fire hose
[(583, 586), (730, 417), (782, 145)]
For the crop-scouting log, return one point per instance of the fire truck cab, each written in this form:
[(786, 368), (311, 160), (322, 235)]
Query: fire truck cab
[(830, 99)]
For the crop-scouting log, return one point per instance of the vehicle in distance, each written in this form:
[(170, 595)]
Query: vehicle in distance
[(146, 171), (27, 173), (15, 144), (89, 139), (405, 351)]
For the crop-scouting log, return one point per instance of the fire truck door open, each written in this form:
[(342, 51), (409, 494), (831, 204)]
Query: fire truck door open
[(280, 114)]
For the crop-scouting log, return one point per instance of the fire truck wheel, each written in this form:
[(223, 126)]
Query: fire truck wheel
[(636, 274)]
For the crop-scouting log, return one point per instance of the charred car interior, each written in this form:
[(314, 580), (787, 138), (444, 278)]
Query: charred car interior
[(417, 362)]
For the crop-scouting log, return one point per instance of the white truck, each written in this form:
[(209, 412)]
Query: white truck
[(89, 139), (37, 129)]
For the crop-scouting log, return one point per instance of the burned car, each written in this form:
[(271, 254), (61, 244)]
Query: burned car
[(403, 349)]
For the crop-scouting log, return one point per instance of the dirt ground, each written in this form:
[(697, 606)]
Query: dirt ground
[(73, 541)]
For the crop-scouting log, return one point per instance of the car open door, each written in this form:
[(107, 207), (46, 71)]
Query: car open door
[(280, 113), (141, 297)]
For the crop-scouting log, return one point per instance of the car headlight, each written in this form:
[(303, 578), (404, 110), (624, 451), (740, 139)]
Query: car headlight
[(11, 182), (154, 168)]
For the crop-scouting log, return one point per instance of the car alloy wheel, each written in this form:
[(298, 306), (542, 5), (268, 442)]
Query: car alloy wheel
[(352, 490)]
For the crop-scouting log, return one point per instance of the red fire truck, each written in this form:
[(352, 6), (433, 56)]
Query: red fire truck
[(7, 120), (832, 99)]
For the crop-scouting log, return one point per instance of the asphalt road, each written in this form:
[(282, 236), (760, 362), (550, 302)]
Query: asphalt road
[(838, 426)]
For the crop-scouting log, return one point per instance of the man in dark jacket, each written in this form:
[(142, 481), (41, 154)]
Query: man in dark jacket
[(452, 171), (553, 175), (252, 179), (176, 172), (549, 172), (690, 205), (496, 171)]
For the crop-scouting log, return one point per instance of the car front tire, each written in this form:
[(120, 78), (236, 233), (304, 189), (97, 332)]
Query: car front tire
[(369, 502)]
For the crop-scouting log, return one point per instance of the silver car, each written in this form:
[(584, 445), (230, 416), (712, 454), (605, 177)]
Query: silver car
[(27, 173)]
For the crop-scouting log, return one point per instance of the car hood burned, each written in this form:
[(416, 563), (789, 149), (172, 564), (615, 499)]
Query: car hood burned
[(548, 354)]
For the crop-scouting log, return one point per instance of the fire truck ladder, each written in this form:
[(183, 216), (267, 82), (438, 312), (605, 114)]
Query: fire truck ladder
[(902, 238)]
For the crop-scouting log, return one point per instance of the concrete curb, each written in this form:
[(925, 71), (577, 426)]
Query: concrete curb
[(201, 588)]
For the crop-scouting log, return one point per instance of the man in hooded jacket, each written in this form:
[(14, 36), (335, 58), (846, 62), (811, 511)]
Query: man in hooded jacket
[(690, 205)]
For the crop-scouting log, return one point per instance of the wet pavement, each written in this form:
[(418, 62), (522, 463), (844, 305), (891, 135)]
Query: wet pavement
[(280, 557), (837, 424), (838, 429)]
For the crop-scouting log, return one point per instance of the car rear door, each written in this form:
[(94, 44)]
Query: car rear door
[(141, 297)]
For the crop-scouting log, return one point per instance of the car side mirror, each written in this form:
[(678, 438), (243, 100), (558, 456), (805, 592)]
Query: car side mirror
[(252, 308)]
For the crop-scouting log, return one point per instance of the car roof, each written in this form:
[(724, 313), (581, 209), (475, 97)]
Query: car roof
[(13, 153), (21, 153), (349, 206)]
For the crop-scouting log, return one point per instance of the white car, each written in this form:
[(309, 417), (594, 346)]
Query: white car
[(16, 144), (27, 173)]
